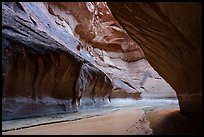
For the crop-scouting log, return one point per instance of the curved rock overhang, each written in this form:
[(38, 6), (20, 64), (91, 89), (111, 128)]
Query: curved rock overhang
[(170, 34), (54, 53)]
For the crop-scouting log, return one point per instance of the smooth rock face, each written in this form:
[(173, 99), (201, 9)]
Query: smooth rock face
[(55, 53), (39, 63), (109, 47), (171, 38)]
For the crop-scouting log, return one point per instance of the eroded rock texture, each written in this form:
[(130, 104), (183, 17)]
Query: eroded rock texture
[(107, 45), (59, 57), (39, 64), (171, 38), (55, 56)]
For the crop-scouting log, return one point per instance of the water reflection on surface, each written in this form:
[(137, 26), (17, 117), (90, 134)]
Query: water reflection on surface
[(91, 108)]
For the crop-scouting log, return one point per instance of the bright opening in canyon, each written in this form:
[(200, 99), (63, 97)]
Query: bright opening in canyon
[(101, 68)]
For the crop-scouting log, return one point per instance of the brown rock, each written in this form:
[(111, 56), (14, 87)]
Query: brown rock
[(170, 35), (55, 53), (39, 67)]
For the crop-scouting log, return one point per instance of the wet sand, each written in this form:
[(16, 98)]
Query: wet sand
[(120, 122), (131, 118), (172, 122)]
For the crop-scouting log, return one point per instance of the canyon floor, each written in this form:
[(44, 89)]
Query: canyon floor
[(118, 117)]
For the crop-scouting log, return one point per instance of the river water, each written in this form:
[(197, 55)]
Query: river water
[(93, 109)]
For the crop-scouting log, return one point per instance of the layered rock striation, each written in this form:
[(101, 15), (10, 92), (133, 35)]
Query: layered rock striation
[(54, 57), (40, 65), (170, 35), (59, 57)]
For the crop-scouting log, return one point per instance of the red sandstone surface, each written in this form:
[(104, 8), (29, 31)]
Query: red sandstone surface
[(55, 54)]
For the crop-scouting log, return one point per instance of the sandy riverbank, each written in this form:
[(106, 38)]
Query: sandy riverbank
[(130, 118), (119, 122)]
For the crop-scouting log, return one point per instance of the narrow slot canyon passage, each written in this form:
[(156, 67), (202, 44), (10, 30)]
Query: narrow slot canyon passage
[(101, 68)]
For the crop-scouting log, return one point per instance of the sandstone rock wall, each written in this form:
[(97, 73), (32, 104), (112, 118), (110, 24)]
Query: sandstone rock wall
[(170, 35), (55, 53), (39, 64)]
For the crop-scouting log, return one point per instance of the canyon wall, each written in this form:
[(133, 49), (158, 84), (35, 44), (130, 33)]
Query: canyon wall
[(58, 57), (41, 66), (170, 35)]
